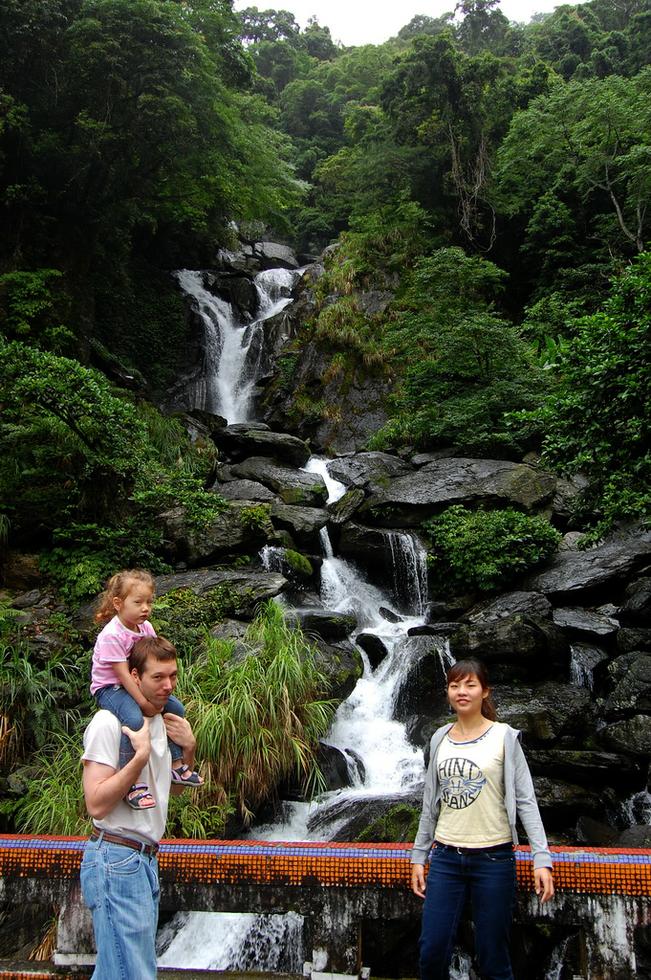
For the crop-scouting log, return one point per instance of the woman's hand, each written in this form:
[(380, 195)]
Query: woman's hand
[(544, 884), (418, 880)]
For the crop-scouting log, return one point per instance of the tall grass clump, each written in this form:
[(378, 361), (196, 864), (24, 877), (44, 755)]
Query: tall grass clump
[(257, 712), (53, 800)]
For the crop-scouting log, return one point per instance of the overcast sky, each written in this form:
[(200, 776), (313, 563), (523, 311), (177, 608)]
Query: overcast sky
[(374, 21)]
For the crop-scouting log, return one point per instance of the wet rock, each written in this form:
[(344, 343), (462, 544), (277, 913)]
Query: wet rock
[(585, 660), (567, 495), (632, 735), (529, 604), (303, 523), (246, 490), (434, 629), (240, 441), (368, 547), (595, 833), (274, 256), (246, 587), (584, 622), (407, 500), (637, 605), (571, 540), (327, 625), (333, 765), (370, 471), (631, 695), (231, 532), (343, 509), (574, 574), (423, 678), (449, 608), (562, 803), (373, 647), (236, 289), (515, 639), (349, 817), (546, 711), (633, 638), (293, 486), (587, 767), (636, 836), (342, 665), (356, 764), (389, 615)]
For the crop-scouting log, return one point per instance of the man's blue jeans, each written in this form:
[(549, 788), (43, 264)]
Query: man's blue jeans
[(488, 877), (119, 702), (120, 887)]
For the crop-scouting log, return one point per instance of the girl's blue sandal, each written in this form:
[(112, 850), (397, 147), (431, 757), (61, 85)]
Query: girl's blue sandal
[(180, 777), (139, 797)]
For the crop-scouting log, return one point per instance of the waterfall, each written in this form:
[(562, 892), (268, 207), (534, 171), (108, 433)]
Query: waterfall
[(233, 350), (409, 565), (363, 723)]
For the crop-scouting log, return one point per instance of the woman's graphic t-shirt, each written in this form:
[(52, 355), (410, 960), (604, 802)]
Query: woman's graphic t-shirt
[(471, 777)]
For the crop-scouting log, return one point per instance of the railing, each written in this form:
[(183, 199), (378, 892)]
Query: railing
[(335, 886)]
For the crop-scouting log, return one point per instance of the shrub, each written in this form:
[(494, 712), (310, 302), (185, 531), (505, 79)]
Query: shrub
[(486, 550), (257, 716)]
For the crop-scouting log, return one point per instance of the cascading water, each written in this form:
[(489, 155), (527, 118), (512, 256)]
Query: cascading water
[(364, 723), (232, 349)]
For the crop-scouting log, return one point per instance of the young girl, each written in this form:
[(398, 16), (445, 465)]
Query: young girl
[(126, 603), (477, 782)]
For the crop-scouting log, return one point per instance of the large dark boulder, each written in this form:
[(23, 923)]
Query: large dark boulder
[(582, 574), (333, 765), (406, 500), (631, 638), (248, 587), (588, 767), (545, 711), (272, 255), (244, 490), (631, 694), (343, 509), (585, 622), (373, 647), (528, 604), (292, 486), (303, 523), (562, 803), (637, 604), (239, 290), (327, 625), (241, 440), (534, 644), (231, 532), (368, 471), (342, 665), (349, 816), (632, 735)]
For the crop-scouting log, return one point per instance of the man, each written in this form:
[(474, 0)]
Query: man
[(119, 871)]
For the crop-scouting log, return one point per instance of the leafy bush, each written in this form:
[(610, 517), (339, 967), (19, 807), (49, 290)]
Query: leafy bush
[(597, 421), (486, 550)]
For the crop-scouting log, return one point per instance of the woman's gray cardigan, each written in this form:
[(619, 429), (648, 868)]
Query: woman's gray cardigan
[(519, 800)]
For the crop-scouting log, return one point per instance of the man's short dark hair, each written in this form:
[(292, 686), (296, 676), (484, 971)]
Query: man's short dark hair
[(150, 646)]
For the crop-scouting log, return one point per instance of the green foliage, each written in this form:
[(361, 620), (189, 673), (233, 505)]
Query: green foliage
[(29, 303), (461, 367), (486, 550), (84, 556), (597, 421), (257, 518), (53, 799), (256, 716), (185, 617)]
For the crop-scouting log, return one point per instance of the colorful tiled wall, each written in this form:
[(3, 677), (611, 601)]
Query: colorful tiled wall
[(593, 871)]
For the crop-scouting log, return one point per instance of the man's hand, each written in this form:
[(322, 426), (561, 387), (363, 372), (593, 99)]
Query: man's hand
[(140, 740), (544, 884), (418, 880), (179, 730)]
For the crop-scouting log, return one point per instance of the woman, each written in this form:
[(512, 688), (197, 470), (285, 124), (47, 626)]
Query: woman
[(477, 783)]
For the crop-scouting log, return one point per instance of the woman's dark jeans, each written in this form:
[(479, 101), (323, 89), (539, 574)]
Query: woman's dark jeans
[(488, 876)]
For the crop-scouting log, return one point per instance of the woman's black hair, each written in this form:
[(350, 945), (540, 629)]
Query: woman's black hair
[(464, 668)]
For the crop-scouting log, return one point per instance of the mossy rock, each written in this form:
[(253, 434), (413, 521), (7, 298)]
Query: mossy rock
[(397, 826)]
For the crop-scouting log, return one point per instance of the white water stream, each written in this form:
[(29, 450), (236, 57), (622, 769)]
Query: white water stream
[(364, 723), (233, 349)]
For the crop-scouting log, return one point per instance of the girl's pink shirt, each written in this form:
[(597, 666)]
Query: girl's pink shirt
[(112, 646)]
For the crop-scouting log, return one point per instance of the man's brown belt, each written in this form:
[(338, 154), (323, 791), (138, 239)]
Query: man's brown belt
[(149, 849)]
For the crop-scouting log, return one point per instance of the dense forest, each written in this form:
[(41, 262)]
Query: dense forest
[(494, 177)]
